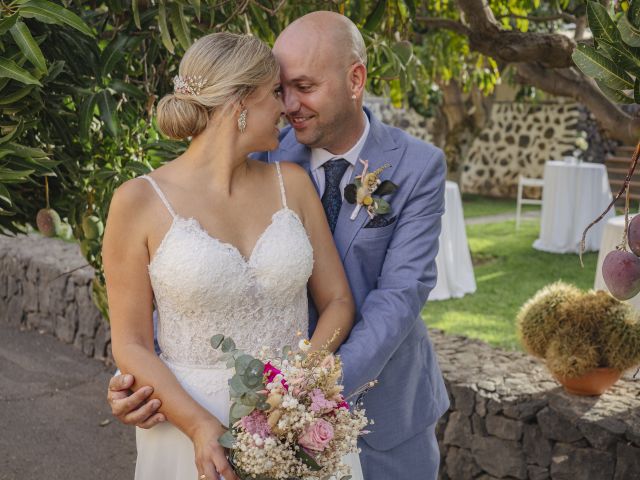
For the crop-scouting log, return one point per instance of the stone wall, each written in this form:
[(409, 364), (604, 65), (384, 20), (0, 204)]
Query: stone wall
[(45, 285), (508, 418), (518, 140)]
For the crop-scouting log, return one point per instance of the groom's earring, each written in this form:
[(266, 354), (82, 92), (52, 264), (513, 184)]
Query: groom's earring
[(242, 121)]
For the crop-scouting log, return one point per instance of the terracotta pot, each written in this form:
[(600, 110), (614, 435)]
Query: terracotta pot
[(594, 382)]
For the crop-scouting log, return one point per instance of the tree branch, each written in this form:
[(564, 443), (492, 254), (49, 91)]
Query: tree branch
[(570, 83), (546, 18), (445, 23)]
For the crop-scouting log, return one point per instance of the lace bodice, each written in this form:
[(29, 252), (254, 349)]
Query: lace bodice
[(203, 286)]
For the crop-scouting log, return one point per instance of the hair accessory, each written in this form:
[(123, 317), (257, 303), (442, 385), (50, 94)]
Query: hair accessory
[(242, 121), (188, 85)]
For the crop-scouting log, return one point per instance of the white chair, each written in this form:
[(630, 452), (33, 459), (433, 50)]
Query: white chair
[(526, 182)]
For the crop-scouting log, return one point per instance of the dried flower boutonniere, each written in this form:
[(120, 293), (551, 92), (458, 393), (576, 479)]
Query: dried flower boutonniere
[(365, 185)]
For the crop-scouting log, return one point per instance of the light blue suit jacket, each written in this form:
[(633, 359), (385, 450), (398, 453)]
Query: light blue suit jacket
[(391, 270)]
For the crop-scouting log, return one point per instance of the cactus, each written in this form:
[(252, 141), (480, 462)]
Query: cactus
[(537, 318), (578, 331)]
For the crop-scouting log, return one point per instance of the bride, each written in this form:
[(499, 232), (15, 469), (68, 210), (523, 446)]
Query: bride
[(220, 244)]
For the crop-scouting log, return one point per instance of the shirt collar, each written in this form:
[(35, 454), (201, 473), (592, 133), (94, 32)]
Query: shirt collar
[(319, 156)]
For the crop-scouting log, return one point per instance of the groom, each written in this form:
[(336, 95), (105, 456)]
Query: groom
[(389, 260)]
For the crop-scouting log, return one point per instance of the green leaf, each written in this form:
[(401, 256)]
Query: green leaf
[(216, 340), (634, 14), (630, 34), (164, 28), (636, 90), (381, 206), (242, 362), (622, 56), (308, 460), (227, 440), (238, 410), (228, 345), (237, 385), (179, 25), (136, 13), (196, 7), (22, 36), (250, 398), (601, 24), (614, 95), (14, 176), (26, 152), (255, 369), (257, 17), (85, 116), (375, 19), (263, 405), (5, 196), (48, 12), (112, 54), (7, 23), (9, 69), (386, 187), (108, 114), (17, 95), (350, 192), (403, 50), (596, 65), (128, 88)]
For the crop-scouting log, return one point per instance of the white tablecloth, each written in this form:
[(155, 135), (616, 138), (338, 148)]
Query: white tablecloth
[(611, 238), (455, 270), (574, 195)]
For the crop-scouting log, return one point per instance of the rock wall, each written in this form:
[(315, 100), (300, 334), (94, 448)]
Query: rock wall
[(508, 418), (518, 140)]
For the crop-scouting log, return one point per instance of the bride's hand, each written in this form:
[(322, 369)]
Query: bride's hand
[(211, 458)]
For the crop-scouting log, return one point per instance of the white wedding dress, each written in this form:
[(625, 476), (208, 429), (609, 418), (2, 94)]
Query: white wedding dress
[(203, 287)]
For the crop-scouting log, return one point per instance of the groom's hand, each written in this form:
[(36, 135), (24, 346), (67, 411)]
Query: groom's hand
[(132, 408)]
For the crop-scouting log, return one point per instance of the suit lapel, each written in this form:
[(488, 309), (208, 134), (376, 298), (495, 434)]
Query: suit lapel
[(380, 148)]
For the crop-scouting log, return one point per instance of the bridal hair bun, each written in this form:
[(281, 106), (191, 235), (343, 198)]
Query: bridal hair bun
[(217, 70)]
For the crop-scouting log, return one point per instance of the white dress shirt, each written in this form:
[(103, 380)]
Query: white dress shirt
[(319, 156)]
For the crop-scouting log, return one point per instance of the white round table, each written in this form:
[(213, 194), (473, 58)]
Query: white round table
[(455, 270), (611, 238), (574, 194)]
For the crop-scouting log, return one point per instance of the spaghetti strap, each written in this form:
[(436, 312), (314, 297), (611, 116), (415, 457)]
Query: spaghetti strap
[(281, 181), (160, 194)]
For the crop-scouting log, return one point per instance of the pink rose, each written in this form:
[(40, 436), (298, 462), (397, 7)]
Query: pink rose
[(317, 435)]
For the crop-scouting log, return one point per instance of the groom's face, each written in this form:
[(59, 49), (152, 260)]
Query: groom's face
[(315, 90)]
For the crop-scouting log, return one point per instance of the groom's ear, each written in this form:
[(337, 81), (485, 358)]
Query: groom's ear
[(357, 78)]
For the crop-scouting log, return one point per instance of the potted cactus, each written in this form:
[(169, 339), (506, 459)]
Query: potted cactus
[(587, 339)]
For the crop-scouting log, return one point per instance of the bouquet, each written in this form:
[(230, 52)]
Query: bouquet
[(288, 417)]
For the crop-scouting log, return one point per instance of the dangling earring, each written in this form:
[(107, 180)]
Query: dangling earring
[(242, 121)]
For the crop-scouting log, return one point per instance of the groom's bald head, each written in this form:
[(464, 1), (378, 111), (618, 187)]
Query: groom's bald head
[(326, 33), (322, 60)]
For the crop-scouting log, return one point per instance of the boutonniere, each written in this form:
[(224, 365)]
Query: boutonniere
[(361, 191)]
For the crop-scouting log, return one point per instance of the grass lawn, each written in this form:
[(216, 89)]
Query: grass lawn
[(508, 271), (481, 206)]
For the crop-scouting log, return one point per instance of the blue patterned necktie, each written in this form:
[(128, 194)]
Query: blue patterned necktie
[(332, 198)]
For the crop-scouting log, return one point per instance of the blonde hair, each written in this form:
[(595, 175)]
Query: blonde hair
[(232, 67)]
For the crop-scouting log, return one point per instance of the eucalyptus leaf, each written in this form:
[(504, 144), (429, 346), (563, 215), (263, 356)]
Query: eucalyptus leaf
[(264, 406), (242, 362), (227, 345), (227, 440), (350, 193), (255, 368), (238, 410), (237, 384), (386, 187), (216, 340), (250, 398), (308, 460), (381, 206)]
